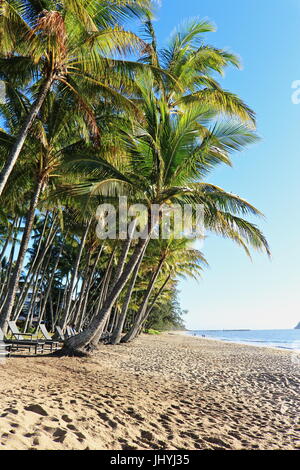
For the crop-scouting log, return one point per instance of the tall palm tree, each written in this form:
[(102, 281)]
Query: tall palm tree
[(58, 129), (168, 157), (69, 42), (190, 66), (169, 259)]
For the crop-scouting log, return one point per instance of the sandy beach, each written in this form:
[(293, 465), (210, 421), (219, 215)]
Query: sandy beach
[(160, 392)]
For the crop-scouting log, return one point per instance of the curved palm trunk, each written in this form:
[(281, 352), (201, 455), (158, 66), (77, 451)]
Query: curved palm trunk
[(87, 292), (157, 296), (65, 316), (31, 275), (82, 295), (50, 282), (20, 139), (14, 281), (150, 308), (81, 343), (3, 291), (121, 263), (133, 332), (117, 332), (105, 284), (8, 238)]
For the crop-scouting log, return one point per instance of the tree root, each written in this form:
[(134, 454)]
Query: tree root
[(69, 352)]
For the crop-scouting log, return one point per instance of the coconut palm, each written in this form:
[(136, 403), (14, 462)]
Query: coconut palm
[(69, 42), (190, 67), (167, 259), (168, 156), (58, 129)]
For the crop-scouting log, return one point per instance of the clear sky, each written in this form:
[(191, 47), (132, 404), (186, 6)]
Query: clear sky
[(235, 292)]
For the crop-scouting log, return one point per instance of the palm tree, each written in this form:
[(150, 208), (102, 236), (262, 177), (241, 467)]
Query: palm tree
[(190, 66), (169, 259), (167, 159), (58, 130), (166, 313), (65, 42)]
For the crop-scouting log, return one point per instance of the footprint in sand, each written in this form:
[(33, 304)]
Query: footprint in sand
[(81, 437), (106, 418), (11, 410), (217, 441), (147, 435), (14, 425), (71, 427), (59, 435), (35, 408), (66, 419), (134, 414)]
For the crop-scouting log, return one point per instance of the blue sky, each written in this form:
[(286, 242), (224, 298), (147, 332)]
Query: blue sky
[(235, 292)]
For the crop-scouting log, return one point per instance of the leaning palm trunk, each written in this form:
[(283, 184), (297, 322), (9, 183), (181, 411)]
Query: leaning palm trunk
[(20, 139), (121, 263), (32, 274), (156, 297), (65, 316), (83, 342), (133, 332), (81, 319), (117, 332), (150, 308), (50, 282), (14, 281), (82, 294), (8, 238), (105, 284), (3, 291)]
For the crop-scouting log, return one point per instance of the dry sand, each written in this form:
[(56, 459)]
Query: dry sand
[(163, 392)]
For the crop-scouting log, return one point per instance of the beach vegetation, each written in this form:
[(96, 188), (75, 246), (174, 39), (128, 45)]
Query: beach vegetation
[(93, 113)]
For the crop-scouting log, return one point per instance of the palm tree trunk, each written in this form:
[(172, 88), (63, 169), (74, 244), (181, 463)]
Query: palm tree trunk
[(8, 238), (122, 260), (150, 308), (105, 284), (160, 291), (82, 343), (132, 333), (14, 281), (65, 316), (3, 291), (20, 139), (121, 263), (117, 332), (87, 292), (50, 282), (31, 274), (82, 295)]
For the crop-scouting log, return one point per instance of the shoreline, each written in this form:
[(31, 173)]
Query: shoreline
[(241, 343), (170, 391)]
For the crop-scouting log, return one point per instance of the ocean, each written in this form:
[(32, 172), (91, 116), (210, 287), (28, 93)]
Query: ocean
[(283, 339)]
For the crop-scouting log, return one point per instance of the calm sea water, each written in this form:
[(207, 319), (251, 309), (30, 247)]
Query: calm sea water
[(284, 339)]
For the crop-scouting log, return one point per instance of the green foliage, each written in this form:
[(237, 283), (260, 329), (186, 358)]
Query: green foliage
[(167, 314), (152, 332), (153, 128)]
